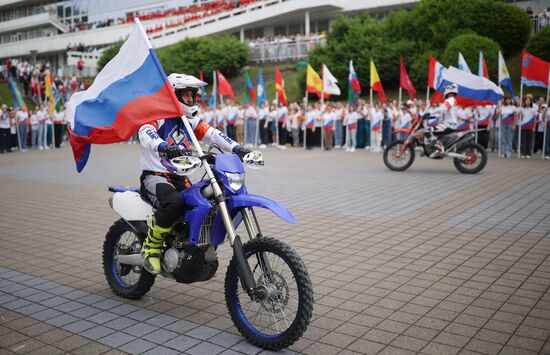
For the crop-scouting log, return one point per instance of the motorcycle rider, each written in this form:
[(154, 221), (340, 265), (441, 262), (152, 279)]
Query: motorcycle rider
[(161, 141), (447, 122)]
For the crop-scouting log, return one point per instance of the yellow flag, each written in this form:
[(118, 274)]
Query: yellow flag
[(314, 84), (49, 93), (375, 83), (374, 78)]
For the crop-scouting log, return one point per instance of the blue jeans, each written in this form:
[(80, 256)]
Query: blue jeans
[(41, 134), (34, 138), (250, 131), (338, 133), (23, 135), (386, 132), (547, 143), (507, 136)]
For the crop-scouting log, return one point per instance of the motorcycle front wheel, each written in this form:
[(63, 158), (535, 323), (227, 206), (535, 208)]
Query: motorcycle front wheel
[(395, 162), (125, 280), (279, 318), (475, 161)]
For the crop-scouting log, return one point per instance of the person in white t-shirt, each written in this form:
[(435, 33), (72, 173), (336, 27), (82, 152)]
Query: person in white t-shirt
[(377, 117), (350, 120), (251, 116), (263, 116), (34, 129), (58, 119), (22, 119), (447, 122)]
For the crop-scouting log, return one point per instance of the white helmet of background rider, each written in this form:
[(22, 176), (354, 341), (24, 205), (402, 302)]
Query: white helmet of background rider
[(451, 89), (183, 82)]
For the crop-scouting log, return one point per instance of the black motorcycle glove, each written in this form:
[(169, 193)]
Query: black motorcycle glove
[(241, 152), (172, 151)]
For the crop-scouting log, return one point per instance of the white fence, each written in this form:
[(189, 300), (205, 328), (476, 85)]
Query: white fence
[(282, 51), (539, 22)]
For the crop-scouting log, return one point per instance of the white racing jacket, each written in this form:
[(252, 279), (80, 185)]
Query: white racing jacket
[(173, 132)]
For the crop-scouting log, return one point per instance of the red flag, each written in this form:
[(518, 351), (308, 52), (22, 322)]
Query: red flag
[(224, 88), (431, 72), (202, 94), (280, 86), (404, 80), (534, 71)]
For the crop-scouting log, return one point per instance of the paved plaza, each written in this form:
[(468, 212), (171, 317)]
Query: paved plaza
[(427, 261)]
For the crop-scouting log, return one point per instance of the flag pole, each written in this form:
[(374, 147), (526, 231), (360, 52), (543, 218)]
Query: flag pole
[(277, 116), (427, 95), (499, 117), (305, 118), (399, 99), (520, 117), (476, 121), (323, 108), (545, 117), (256, 136)]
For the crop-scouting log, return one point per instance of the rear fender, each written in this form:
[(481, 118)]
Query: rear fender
[(237, 203), (130, 206)]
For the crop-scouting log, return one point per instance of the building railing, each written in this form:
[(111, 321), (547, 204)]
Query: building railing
[(538, 22), (282, 51)]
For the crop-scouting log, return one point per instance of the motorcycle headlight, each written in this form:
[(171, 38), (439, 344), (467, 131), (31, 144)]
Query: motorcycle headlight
[(236, 180)]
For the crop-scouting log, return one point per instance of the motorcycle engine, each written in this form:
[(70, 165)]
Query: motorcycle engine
[(191, 264)]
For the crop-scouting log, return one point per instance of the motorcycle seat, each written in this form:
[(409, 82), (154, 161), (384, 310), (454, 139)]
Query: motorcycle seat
[(119, 188)]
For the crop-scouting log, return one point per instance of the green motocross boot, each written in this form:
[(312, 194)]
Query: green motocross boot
[(151, 249)]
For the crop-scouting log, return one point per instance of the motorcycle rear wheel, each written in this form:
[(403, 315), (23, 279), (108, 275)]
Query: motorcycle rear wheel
[(282, 317), (126, 281), (477, 158), (401, 163)]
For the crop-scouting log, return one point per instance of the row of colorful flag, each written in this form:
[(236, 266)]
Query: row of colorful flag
[(535, 72)]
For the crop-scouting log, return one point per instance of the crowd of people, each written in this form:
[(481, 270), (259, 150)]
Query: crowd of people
[(185, 14), (333, 125), (32, 78), (540, 18), (280, 39), (517, 126), (38, 129)]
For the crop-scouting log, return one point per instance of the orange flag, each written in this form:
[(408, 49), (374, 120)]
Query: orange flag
[(280, 86)]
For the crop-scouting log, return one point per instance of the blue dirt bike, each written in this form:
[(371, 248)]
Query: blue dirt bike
[(268, 290)]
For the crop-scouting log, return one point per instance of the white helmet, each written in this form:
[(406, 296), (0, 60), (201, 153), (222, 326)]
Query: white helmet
[(183, 82), (451, 89)]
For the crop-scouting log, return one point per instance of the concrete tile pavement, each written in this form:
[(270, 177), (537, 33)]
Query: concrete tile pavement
[(428, 261)]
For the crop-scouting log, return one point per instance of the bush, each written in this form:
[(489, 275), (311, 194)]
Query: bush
[(509, 26), (539, 44), (437, 21), (192, 55), (470, 45), (108, 54)]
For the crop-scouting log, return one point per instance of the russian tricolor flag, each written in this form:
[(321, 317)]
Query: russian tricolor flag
[(131, 90), (473, 90)]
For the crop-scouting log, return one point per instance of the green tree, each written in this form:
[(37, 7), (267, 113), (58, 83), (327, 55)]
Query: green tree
[(539, 44), (192, 55), (108, 54), (362, 39), (470, 45), (437, 21)]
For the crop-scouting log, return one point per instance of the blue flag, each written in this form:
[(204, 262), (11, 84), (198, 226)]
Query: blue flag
[(260, 89), (214, 94)]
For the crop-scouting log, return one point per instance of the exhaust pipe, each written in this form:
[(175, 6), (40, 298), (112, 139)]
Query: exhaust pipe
[(457, 156), (130, 259)]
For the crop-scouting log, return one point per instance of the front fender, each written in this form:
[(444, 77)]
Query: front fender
[(237, 203), (249, 200)]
